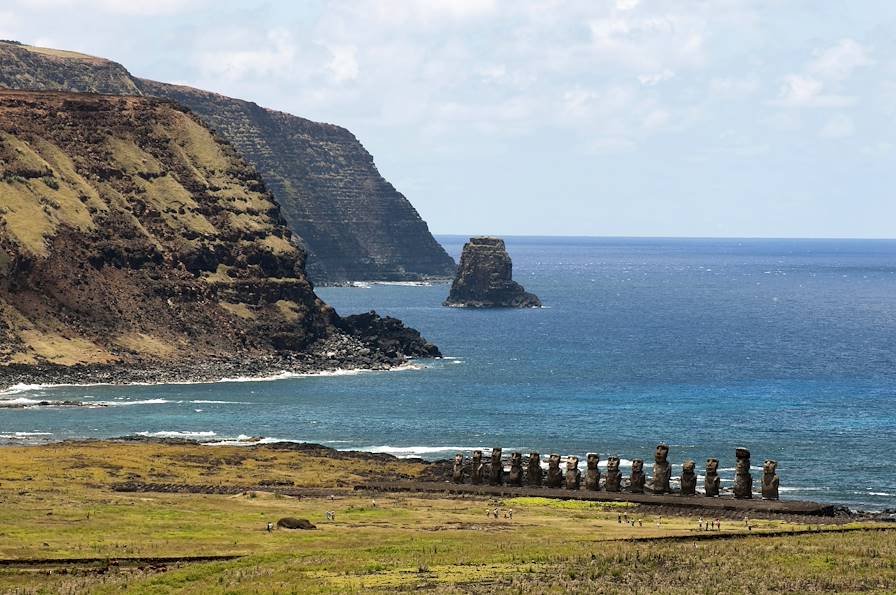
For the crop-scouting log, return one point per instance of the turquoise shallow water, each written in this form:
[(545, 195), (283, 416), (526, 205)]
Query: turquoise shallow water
[(783, 346)]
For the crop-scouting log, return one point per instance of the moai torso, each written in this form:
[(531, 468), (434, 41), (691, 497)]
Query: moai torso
[(662, 471), (636, 483), (614, 477), (496, 477), (770, 480), (515, 477), (476, 467), (533, 470), (592, 473), (555, 475), (688, 478), (743, 481), (573, 475), (711, 481), (457, 474)]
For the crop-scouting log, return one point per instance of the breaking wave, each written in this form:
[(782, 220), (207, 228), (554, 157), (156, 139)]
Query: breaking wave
[(177, 434)]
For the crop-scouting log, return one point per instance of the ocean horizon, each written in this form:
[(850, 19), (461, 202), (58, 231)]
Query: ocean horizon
[(783, 346)]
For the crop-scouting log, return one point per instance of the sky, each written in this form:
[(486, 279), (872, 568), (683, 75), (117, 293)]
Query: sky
[(695, 118)]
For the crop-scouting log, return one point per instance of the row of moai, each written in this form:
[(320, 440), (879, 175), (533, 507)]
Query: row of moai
[(554, 477)]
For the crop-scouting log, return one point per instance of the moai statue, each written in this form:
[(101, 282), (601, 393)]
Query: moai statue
[(458, 473), (743, 481), (688, 478), (573, 475), (711, 481), (477, 467), (662, 471), (555, 475), (770, 480), (496, 476), (515, 477), (533, 469), (636, 483), (614, 477), (592, 473)]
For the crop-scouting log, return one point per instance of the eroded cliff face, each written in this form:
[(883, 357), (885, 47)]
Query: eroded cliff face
[(353, 223), (485, 278), (129, 233)]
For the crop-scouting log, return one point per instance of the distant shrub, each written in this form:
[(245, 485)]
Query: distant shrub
[(51, 182)]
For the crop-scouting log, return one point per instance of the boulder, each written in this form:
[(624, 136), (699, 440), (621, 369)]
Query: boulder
[(293, 523)]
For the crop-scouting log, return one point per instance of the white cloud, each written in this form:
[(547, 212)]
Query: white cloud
[(425, 12), (235, 64), (817, 86), (656, 119), (803, 91), (125, 7), (838, 62), (733, 87), (626, 4), (649, 80), (344, 64), (838, 126)]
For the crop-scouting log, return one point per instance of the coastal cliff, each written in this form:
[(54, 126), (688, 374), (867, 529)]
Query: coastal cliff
[(353, 224), (485, 278), (132, 239)]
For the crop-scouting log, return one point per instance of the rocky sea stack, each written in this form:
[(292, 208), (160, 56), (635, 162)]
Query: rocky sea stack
[(485, 278)]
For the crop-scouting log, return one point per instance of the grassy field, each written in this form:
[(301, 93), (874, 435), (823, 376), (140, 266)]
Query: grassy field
[(57, 505)]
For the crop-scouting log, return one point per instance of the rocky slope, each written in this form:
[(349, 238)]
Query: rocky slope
[(354, 224), (485, 278), (132, 238)]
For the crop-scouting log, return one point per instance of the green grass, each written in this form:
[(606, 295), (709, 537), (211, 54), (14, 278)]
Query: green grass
[(568, 504), (56, 504)]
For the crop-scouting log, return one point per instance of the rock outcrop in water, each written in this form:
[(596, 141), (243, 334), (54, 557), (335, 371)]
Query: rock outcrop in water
[(353, 224), (131, 236), (485, 278)]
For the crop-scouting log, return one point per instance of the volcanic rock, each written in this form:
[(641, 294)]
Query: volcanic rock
[(353, 224), (132, 237), (294, 523), (485, 278)]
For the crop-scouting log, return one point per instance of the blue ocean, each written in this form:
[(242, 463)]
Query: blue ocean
[(786, 347)]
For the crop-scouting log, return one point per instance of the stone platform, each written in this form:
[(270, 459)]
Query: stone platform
[(719, 503)]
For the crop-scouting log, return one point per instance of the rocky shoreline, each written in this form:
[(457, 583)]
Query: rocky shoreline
[(336, 353)]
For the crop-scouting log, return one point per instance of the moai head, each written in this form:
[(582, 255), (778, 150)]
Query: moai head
[(458, 459), (572, 463), (743, 460), (554, 461), (770, 467), (613, 465), (593, 460), (516, 459), (688, 467), (534, 459), (662, 453), (712, 466), (637, 466), (477, 457), (496, 456)]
